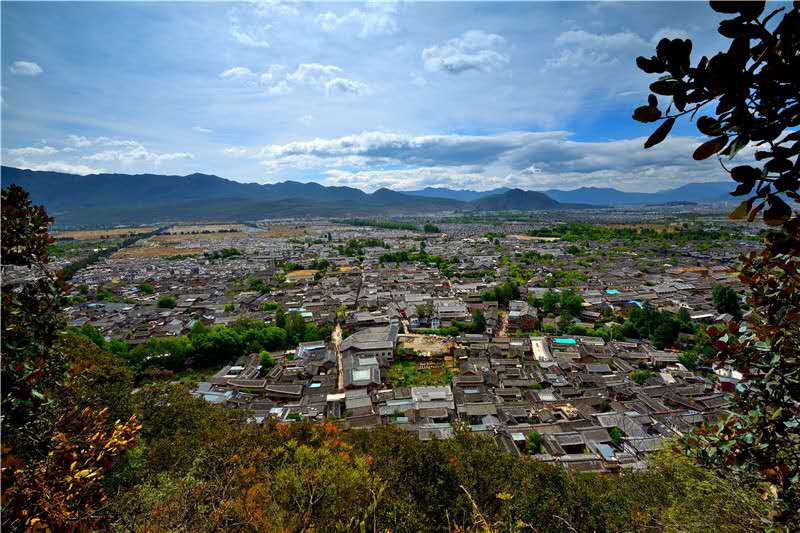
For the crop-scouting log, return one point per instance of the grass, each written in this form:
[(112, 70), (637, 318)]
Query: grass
[(408, 374)]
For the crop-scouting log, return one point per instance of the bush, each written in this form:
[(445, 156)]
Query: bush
[(167, 302)]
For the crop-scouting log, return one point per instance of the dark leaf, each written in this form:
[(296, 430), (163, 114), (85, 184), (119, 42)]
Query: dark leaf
[(728, 8), (754, 213), (646, 113), (650, 66), (665, 87), (652, 100), (778, 211), (741, 211), (707, 149), (778, 165), (660, 134), (743, 188), (745, 174), (708, 126)]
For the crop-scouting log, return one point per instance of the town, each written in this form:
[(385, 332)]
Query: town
[(572, 341)]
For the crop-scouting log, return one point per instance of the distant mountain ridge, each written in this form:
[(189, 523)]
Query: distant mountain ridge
[(110, 199), (516, 200), (463, 195), (714, 191)]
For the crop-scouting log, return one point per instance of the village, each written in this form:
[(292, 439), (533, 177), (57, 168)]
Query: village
[(534, 332)]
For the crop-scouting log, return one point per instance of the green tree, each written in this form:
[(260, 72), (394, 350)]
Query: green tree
[(550, 302), (280, 317), (167, 302), (146, 288), (754, 86), (267, 361), (727, 301), (478, 321), (533, 443)]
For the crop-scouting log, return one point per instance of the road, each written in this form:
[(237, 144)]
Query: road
[(336, 337)]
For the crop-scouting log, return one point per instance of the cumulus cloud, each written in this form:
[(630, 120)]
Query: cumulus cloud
[(670, 33), (238, 73), (76, 151), (314, 73), (344, 85), (277, 81), (473, 50), (378, 19), (581, 49), (246, 39), (26, 68), (534, 160), (134, 153), (59, 166), (236, 151), (275, 8), (32, 151)]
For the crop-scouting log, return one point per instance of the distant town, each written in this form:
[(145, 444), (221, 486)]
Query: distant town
[(570, 336)]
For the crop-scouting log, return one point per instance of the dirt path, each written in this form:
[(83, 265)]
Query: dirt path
[(336, 337), (503, 325)]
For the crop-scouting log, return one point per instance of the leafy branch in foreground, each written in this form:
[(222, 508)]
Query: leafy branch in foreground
[(755, 86)]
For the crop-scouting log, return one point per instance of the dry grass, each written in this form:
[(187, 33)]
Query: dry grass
[(296, 274), (176, 238), (530, 238), (156, 251), (83, 235)]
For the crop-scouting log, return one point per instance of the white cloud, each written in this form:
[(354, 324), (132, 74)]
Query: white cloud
[(579, 48), (534, 160), (200, 129), (275, 8), (25, 68), (279, 89), (134, 153), (32, 151), (344, 85), (238, 73), (314, 73), (378, 20), (236, 151), (473, 50), (246, 39), (669, 33), (59, 166)]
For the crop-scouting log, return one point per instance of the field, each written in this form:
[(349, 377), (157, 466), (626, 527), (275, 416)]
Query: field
[(538, 239), (81, 235), (296, 274), (426, 344), (156, 251), (413, 373), (184, 237)]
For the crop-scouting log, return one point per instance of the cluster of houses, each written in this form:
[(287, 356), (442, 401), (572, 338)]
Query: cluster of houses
[(575, 393)]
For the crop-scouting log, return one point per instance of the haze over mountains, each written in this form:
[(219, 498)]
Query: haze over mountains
[(108, 199)]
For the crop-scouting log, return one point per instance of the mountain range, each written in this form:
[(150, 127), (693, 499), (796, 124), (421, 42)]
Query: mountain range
[(110, 199)]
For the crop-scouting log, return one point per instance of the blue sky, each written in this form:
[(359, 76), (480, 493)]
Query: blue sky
[(404, 95)]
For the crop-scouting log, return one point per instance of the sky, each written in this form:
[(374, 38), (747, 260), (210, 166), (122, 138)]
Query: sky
[(404, 95)]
